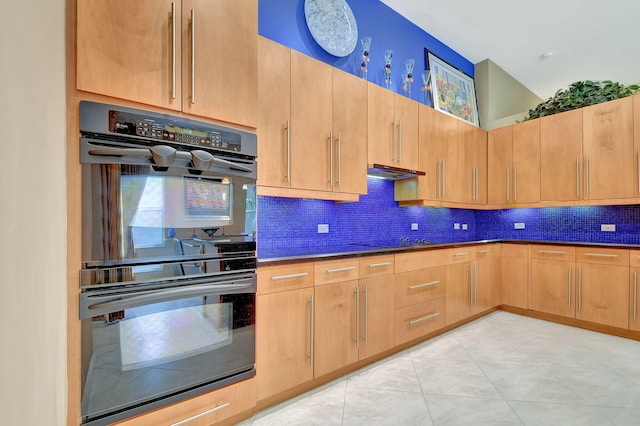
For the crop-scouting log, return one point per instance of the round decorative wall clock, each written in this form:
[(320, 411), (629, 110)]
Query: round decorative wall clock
[(332, 25)]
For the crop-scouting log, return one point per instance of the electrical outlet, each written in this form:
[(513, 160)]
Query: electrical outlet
[(518, 225), (608, 228), (456, 226), (323, 228), (414, 226), (464, 226)]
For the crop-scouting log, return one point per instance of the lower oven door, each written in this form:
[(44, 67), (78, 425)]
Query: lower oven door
[(147, 347)]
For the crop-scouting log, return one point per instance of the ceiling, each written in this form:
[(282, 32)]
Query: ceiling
[(590, 40)]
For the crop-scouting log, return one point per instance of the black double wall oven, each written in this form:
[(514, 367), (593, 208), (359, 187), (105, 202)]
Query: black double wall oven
[(168, 280)]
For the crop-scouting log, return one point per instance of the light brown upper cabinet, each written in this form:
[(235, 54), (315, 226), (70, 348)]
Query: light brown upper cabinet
[(561, 157), (514, 164), (636, 142), (313, 127), (184, 56), (393, 128), (472, 164), (608, 150)]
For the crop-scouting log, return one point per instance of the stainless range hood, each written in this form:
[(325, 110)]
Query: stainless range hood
[(392, 173)]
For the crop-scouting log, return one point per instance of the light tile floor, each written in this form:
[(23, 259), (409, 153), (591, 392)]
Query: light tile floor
[(502, 369)]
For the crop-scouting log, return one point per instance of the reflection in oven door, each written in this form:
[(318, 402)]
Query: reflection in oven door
[(147, 345)]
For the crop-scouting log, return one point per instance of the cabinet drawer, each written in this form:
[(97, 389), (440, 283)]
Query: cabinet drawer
[(515, 251), (419, 286), (202, 410), (602, 256), (375, 266), (553, 252), (285, 277), (417, 320), (420, 260), (634, 258), (460, 254), (333, 271), (486, 251)]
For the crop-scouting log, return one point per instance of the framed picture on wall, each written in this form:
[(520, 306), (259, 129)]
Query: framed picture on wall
[(453, 91)]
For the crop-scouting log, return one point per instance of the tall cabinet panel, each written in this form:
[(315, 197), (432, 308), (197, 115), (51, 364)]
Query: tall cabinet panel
[(472, 164), (311, 123), (349, 159), (274, 99), (608, 147), (561, 177), (500, 148), (126, 50), (220, 51)]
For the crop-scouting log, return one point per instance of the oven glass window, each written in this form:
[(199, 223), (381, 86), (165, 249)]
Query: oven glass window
[(152, 350)]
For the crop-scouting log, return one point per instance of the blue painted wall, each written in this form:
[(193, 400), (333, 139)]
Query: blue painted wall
[(283, 21)]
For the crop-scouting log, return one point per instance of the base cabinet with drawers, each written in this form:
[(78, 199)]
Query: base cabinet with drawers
[(634, 288)]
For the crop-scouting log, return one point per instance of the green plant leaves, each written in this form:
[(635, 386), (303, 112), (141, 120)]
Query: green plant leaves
[(581, 94)]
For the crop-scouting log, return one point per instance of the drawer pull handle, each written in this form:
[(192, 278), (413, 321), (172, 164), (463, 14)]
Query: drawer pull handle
[(377, 265), (461, 254), (197, 416), (601, 255), (413, 287), (349, 268), (286, 277), (417, 320), (552, 251), (484, 251)]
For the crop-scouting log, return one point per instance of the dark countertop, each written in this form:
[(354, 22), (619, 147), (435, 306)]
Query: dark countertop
[(356, 250)]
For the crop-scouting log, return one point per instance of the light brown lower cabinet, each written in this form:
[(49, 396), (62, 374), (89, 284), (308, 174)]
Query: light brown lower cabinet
[(514, 280), (203, 410), (419, 302), (553, 280), (376, 308), (634, 305), (603, 294)]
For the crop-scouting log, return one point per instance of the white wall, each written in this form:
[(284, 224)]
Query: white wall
[(32, 213)]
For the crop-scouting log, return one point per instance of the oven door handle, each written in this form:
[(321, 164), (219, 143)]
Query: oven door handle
[(164, 155), (93, 305)]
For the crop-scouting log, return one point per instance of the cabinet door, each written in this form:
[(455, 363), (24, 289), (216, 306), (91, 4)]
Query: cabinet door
[(220, 60), (514, 282), (438, 134), (381, 125), (526, 162), (376, 309), (336, 334), (500, 149), (406, 119), (283, 340), (634, 299), (603, 294), (608, 150), (349, 133), (561, 157), (486, 287), (125, 50), (274, 94), (311, 123), (636, 139), (472, 164), (458, 292), (553, 287)]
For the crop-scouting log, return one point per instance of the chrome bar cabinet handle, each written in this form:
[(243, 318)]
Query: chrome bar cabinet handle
[(400, 139), (331, 158), (578, 177), (378, 265), (426, 317), (552, 251), (508, 182), (366, 315), (413, 287), (579, 288), (204, 413), (357, 295), (286, 277), (173, 51), (312, 315), (569, 288), (193, 56), (395, 149), (339, 159), (348, 268), (586, 174), (635, 296), (515, 183), (444, 181), (288, 151), (601, 255)]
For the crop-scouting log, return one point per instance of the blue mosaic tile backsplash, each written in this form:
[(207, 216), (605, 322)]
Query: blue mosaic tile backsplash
[(288, 227)]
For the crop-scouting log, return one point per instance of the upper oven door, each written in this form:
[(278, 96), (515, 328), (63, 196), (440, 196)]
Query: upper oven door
[(138, 209)]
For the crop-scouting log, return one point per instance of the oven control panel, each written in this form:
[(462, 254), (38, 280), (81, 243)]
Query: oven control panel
[(172, 131)]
